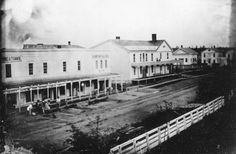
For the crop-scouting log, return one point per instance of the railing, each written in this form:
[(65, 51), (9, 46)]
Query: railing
[(152, 138)]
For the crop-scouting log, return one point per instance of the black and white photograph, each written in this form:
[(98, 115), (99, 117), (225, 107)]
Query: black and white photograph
[(118, 77)]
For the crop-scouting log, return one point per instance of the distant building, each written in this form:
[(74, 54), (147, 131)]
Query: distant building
[(139, 59), (50, 46), (187, 55), (34, 73), (218, 56)]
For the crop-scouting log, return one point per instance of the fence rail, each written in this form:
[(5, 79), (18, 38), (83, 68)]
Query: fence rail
[(156, 136)]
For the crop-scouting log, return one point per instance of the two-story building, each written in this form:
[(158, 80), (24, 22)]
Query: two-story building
[(139, 59), (218, 56), (39, 72), (188, 57)]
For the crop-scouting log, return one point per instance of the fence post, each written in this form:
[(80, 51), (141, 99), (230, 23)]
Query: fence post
[(120, 152), (168, 130), (177, 126), (147, 140), (191, 116), (159, 136), (184, 119), (134, 143)]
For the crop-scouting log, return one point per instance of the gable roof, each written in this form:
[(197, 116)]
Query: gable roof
[(188, 51), (138, 42), (134, 45)]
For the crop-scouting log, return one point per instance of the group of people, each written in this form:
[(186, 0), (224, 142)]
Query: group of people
[(40, 107)]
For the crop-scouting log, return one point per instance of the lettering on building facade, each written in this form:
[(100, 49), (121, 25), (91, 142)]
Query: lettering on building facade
[(100, 56), (11, 59)]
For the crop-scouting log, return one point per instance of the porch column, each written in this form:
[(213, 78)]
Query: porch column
[(116, 85), (71, 90), (37, 93), (121, 85), (105, 88), (56, 90), (90, 87), (98, 86), (79, 90), (31, 97), (19, 103), (65, 90), (149, 72), (138, 69), (48, 91)]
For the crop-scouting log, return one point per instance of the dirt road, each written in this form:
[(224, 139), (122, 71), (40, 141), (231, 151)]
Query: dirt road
[(118, 111)]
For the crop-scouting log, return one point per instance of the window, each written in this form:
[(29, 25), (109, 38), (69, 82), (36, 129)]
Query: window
[(134, 70), (105, 63), (45, 68), (152, 57), (167, 55), (141, 70), (30, 68), (64, 66), (8, 70), (214, 54), (101, 64), (214, 61), (143, 57), (96, 64), (204, 61), (133, 57), (140, 57), (146, 57), (186, 60), (152, 68), (160, 56), (204, 55), (78, 63)]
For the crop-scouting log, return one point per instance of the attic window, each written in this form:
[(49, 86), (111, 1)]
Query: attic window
[(164, 46)]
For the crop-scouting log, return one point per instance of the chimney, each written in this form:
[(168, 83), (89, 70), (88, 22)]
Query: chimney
[(117, 37), (154, 37), (69, 43)]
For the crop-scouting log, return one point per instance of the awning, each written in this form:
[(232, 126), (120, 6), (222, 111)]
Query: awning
[(56, 82)]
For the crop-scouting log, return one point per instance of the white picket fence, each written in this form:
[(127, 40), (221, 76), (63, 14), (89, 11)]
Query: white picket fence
[(154, 137)]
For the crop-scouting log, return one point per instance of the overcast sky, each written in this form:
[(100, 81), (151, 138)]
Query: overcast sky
[(88, 22)]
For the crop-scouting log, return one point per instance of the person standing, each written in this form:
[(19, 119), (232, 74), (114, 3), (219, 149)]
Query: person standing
[(29, 108)]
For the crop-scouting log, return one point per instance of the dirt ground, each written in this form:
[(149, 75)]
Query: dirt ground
[(120, 110)]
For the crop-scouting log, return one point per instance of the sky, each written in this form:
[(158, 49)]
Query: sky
[(89, 22)]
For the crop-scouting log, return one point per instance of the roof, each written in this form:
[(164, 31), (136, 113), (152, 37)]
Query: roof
[(138, 42), (53, 50), (187, 51), (135, 44), (221, 49), (49, 46)]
